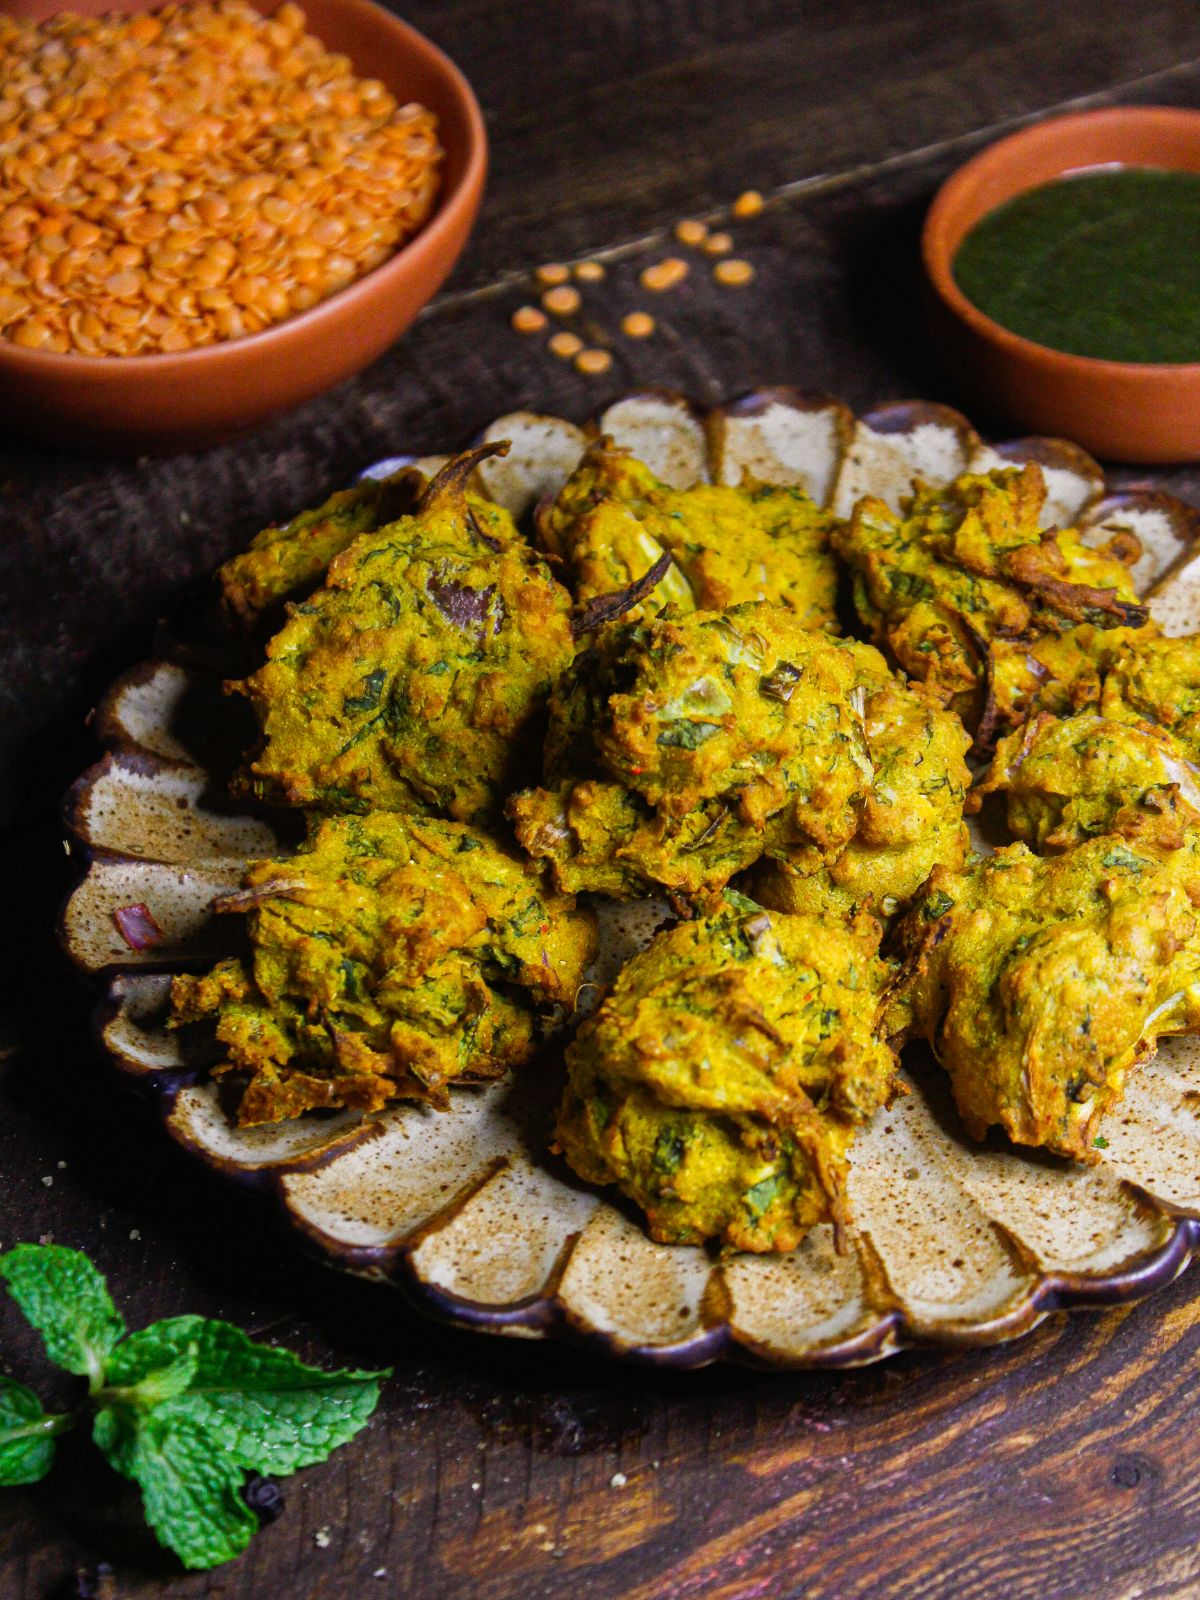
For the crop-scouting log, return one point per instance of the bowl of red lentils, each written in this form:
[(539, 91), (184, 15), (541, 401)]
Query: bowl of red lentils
[(214, 210)]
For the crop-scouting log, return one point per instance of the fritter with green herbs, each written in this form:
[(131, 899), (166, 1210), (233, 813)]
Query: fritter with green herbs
[(719, 1084), (613, 519), (683, 749), (1157, 682), (412, 678), (1067, 779), (1041, 982), (911, 819), (285, 562), (1126, 764), (393, 956), (995, 615)]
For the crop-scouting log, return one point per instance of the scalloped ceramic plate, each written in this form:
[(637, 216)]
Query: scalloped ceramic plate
[(953, 1243)]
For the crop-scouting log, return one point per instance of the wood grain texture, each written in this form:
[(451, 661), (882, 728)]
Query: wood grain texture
[(1063, 1466)]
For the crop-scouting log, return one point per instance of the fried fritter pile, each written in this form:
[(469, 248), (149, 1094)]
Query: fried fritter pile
[(997, 617), (1041, 981), (410, 678), (391, 956), (719, 1084), (683, 749), (712, 725), (614, 519)]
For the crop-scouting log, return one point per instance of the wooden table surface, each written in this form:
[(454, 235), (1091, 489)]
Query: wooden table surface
[(1064, 1465)]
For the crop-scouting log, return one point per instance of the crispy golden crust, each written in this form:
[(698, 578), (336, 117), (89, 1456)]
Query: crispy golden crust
[(285, 562), (971, 598), (1040, 982), (391, 956), (613, 519), (682, 749), (409, 680), (911, 819), (1125, 764), (719, 1084), (1067, 779), (1157, 681)]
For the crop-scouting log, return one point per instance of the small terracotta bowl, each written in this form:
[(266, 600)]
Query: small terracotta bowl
[(1122, 410), (159, 403)]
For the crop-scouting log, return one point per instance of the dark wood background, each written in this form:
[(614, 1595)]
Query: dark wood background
[(1065, 1465)]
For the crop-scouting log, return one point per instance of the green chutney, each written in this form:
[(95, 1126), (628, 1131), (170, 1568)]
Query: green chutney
[(1103, 263)]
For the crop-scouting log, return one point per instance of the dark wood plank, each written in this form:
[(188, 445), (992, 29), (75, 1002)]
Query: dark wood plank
[(609, 119)]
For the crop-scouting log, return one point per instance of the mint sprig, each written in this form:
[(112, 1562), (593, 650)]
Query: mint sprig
[(67, 1301), (185, 1408)]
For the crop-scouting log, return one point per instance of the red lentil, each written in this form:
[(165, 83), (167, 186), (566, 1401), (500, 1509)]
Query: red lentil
[(528, 319), (733, 273), (150, 163), (664, 274), (562, 301), (637, 325)]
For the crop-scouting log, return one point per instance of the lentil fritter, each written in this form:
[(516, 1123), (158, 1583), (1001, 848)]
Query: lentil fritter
[(969, 596), (720, 1082), (613, 519), (911, 819), (411, 678), (1157, 681), (392, 956), (1126, 765), (284, 563), (1066, 779), (681, 750), (1040, 982)]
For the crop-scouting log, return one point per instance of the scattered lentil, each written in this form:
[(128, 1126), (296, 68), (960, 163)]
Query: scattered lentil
[(552, 273), (638, 325), (593, 362), (173, 178), (664, 274), (565, 345), (562, 301), (733, 273), (748, 204), (590, 271), (691, 232), (528, 319), (718, 244)]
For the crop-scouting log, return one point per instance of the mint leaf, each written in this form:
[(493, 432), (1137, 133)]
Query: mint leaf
[(263, 1406), (191, 1488), (67, 1301), (26, 1435)]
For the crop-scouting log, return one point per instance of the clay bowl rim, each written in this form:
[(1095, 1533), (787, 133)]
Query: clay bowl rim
[(941, 236), (450, 202)]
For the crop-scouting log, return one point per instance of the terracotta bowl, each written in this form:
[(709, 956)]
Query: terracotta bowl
[(198, 397), (1126, 411)]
